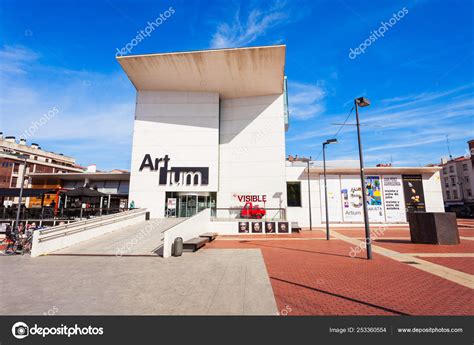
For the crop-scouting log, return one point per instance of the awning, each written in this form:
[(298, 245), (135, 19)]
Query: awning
[(27, 192), (84, 192)]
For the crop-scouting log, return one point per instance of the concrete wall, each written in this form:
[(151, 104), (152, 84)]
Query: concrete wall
[(301, 214), (431, 186), (190, 228), (252, 150), (182, 125), (59, 237)]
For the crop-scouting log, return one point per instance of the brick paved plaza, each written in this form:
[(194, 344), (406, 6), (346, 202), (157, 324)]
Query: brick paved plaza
[(311, 276)]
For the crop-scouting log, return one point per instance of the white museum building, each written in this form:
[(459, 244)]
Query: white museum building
[(209, 133)]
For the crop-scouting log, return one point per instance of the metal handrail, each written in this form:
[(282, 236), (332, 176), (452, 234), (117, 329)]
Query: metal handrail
[(81, 226)]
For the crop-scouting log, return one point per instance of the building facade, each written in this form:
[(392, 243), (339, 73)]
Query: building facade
[(458, 180), (209, 132), (209, 126), (37, 161)]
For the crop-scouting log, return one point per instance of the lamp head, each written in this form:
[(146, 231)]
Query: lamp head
[(330, 141), (362, 102)]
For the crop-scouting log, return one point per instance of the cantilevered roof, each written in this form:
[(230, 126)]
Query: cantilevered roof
[(233, 73)]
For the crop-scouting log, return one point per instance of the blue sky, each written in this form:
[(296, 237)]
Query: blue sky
[(419, 75)]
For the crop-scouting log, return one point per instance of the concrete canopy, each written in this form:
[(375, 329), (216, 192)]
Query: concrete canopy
[(233, 73)]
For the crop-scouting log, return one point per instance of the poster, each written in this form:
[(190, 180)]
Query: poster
[(334, 199), (374, 199), (283, 227), (414, 195), (257, 227), (351, 194), (270, 227), (243, 227), (393, 199)]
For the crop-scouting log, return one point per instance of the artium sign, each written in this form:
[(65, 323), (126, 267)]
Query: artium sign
[(175, 176)]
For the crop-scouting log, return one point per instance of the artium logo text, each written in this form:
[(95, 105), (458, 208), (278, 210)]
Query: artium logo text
[(175, 176)]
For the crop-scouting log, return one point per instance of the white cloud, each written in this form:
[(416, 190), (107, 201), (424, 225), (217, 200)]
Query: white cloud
[(258, 22), (305, 100), (92, 107), (14, 58)]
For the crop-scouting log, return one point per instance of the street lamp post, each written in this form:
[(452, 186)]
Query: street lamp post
[(363, 102), (17, 222), (327, 142), (309, 195)]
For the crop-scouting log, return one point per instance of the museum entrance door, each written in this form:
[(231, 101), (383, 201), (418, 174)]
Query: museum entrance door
[(188, 204)]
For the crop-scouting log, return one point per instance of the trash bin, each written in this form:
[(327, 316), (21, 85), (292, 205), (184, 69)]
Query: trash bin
[(178, 246)]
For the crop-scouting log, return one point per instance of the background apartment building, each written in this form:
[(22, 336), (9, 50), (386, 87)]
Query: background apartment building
[(37, 161), (458, 181)]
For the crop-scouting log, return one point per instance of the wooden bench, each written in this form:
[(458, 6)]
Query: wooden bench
[(194, 244), (209, 235)]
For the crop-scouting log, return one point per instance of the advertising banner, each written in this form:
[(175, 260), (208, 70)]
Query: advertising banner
[(393, 199), (374, 199), (334, 198), (351, 193), (414, 195)]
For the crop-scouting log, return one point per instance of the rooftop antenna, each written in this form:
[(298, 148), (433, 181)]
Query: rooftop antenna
[(449, 149)]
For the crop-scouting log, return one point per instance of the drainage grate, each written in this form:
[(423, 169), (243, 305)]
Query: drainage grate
[(410, 262)]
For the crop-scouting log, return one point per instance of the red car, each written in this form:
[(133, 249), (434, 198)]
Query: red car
[(251, 211)]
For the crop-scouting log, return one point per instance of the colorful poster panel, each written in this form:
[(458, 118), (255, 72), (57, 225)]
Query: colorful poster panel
[(351, 193), (374, 199)]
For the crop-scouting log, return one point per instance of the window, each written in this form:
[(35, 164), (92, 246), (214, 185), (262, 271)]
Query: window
[(455, 194), (448, 195), (446, 182), (464, 167), (14, 180), (293, 191), (445, 170), (453, 183), (466, 178), (451, 168), (469, 193)]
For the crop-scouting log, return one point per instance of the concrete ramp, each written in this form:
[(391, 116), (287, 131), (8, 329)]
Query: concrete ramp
[(142, 239)]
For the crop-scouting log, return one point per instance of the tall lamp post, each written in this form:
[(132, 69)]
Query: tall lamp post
[(363, 102), (327, 142), (308, 160), (24, 158)]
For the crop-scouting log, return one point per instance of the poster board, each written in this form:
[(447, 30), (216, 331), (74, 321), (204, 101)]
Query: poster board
[(414, 194), (375, 208), (351, 194), (334, 199), (393, 199)]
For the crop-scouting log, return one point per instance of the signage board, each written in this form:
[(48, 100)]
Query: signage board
[(334, 198), (351, 193), (394, 203), (414, 195), (374, 199)]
